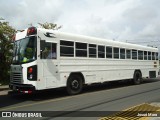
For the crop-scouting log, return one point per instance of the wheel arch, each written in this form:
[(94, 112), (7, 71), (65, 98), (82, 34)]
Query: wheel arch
[(79, 74), (137, 70)]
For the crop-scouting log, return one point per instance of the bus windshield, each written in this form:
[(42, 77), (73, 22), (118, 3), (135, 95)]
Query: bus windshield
[(25, 50)]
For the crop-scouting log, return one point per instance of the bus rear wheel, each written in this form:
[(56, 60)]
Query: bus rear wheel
[(74, 85), (137, 78)]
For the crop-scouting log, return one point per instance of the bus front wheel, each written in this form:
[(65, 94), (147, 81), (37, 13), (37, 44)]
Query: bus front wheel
[(137, 78), (74, 85)]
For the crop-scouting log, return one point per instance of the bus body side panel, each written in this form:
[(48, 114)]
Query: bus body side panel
[(55, 73), (71, 65), (48, 69), (96, 71)]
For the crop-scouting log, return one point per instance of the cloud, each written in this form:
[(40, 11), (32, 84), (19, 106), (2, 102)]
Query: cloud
[(143, 21), (113, 19), (100, 19), (25, 12)]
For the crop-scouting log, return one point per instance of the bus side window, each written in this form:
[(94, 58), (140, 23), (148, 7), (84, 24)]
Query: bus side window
[(128, 54), (145, 55), (81, 49), (66, 48), (140, 55), (116, 52), (49, 51), (101, 51), (149, 56), (122, 53), (108, 52), (134, 54), (153, 56), (53, 52), (92, 50), (157, 56)]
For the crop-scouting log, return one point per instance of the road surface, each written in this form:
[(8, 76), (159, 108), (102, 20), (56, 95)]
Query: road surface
[(114, 96)]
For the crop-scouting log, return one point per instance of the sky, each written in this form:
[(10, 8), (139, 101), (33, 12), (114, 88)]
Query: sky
[(133, 21)]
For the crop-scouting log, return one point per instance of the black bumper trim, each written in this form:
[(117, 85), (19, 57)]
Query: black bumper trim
[(22, 87)]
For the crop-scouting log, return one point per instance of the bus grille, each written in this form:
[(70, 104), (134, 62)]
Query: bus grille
[(16, 78)]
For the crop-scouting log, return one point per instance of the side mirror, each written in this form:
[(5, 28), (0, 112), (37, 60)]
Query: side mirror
[(42, 45)]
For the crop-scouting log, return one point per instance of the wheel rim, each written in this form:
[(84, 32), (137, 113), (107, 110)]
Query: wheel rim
[(75, 85)]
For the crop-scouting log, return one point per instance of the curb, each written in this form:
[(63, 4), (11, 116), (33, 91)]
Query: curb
[(2, 88)]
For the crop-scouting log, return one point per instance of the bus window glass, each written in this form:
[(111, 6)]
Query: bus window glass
[(92, 45), (149, 56), (81, 49), (92, 51), (66, 48), (116, 53), (101, 51), (66, 43), (157, 56), (153, 56), (134, 54), (25, 50), (128, 54), (81, 53), (66, 51), (50, 51), (145, 55), (82, 46), (108, 52), (140, 55), (122, 53)]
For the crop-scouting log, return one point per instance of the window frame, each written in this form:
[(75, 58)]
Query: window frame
[(140, 55), (65, 46), (116, 55), (128, 56), (109, 53), (149, 55), (101, 52), (93, 48), (145, 56), (45, 54), (122, 55), (79, 48), (134, 57)]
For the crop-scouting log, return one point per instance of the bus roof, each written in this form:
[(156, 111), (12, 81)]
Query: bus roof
[(90, 40), (99, 41)]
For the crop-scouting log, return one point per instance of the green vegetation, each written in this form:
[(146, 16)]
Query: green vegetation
[(6, 47)]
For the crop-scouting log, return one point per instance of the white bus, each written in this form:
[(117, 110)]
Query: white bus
[(45, 59)]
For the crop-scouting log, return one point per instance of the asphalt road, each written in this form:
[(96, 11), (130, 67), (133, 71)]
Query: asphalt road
[(114, 96)]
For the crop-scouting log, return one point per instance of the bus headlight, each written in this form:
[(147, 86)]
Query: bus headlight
[(32, 73)]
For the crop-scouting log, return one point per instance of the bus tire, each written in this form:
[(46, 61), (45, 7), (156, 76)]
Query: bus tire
[(74, 85), (137, 78)]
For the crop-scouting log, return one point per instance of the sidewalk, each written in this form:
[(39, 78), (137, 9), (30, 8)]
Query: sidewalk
[(4, 87)]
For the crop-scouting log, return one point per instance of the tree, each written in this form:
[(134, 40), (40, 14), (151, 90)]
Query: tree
[(50, 26), (6, 47)]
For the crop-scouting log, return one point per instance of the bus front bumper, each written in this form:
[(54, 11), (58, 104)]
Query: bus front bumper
[(21, 87)]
